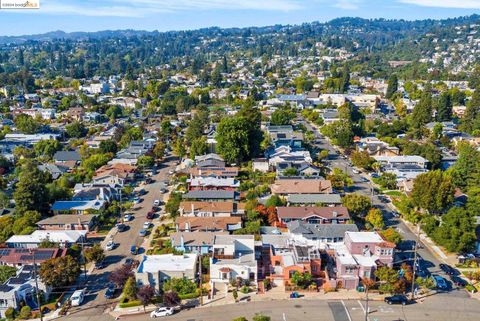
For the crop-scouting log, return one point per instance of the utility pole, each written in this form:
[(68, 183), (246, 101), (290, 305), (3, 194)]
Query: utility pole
[(37, 290), (84, 261), (366, 302), (415, 248), (200, 274)]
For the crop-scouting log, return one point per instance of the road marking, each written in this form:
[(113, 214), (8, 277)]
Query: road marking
[(361, 306), (346, 310)]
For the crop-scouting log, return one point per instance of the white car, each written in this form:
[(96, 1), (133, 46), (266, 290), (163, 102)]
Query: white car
[(163, 190), (156, 202), (110, 245), (146, 225), (171, 172), (77, 297), (355, 171), (161, 312), (136, 200), (128, 217)]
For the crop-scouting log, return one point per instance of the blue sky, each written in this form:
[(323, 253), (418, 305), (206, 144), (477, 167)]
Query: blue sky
[(162, 15)]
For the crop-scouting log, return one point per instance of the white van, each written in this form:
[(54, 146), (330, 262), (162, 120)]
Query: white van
[(78, 297)]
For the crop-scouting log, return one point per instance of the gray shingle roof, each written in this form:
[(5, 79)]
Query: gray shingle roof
[(320, 230), (314, 198)]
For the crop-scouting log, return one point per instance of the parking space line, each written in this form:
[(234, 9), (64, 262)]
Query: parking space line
[(346, 310)]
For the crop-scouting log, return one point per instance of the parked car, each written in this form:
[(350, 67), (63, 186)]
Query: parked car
[(294, 295), (440, 282), (355, 171), (150, 215), (128, 217), (77, 297), (396, 299), (134, 250), (136, 200), (161, 312), (99, 265), (171, 172), (163, 190), (458, 281), (156, 202), (110, 293), (447, 269), (110, 245), (121, 227), (142, 233), (146, 225)]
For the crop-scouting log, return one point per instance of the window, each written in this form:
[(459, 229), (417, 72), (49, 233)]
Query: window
[(349, 270), (314, 268), (224, 276)]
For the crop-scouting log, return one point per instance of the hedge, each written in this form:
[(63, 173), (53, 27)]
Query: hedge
[(130, 304), (187, 296)]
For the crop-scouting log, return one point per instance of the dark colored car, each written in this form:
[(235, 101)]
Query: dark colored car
[(294, 295), (99, 265), (110, 293), (447, 269), (134, 250), (150, 215), (396, 299), (458, 281), (121, 227), (440, 282)]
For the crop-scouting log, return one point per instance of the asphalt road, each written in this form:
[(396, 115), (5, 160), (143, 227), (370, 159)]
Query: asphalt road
[(95, 303)]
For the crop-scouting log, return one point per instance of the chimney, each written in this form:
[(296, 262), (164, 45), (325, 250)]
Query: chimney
[(182, 242), (187, 227), (334, 214), (193, 209)]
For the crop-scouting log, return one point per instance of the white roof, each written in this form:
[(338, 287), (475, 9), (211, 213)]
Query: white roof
[(167, 262), (365, 260), (343, 256), (53, 236), (401, 159), (365, 237)]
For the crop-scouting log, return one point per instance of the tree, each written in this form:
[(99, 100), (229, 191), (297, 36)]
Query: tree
[(339, 179), (444, 107), (422, 112), (76, 130), (253, 118), (113, 112), (240, 319), (47, 147), (179, 147), (282, 116), (120, 275), (362, 159), (233, 139), (94, 253), (387, 180), (391, 235), (198, 147), (145, 161), (323, 154), (466, 170), (10, 313), (356, 204), (25, 313), (30, 192), (392, 86), (291, 171), (146, 294), (6, 272), (275, 201), (26, 124), (302, 280), (390, 280), (181, 286), (130, 289), (47, 244), (433, 191), (60, 271), (171, 299), (457, 231), (159, 149), (261, 317), (437, 131), (108, 146), (375, 218)]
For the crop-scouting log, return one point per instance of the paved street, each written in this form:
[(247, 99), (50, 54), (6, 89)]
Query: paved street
[(96, 304)]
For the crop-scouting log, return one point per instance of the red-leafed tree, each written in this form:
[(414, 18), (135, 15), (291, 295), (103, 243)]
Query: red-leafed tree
[(121, 275), (146, 294)]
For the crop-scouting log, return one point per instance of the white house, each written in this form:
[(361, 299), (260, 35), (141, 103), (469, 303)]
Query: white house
[(62, 237)]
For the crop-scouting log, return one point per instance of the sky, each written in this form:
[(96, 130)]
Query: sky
[(164, 15)]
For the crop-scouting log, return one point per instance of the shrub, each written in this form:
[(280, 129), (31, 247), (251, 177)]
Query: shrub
[(10, 313), (244, 289), (470, 288), (25, 313), (130, 304)]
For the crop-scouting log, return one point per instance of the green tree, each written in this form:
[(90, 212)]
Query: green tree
[(6, 272), (387, 180), (261, 317), (26, 124), (181, 286), (388, 278), (94, 253), (282, 116), (159, 149), (339, 179), (302, 280), (375, 218), (466, 170), (391, 235), (145, 161), (422, 112), (76, 130), (130, 289), (113, 112), (198, 147), (292, 171), (457, 231), (30, 191), (444, 107), (253, 119), (25, 313), (60, 271), (47, 148), (179, 147), (433, 191), (108, 146), (357, 204), (10, 313), (362, 160), (392, 86), (233, 139)]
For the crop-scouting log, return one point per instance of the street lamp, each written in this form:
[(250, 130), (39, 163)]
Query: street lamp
[(35, 274)]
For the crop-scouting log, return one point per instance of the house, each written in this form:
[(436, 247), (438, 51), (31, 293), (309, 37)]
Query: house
[(77, 207), (329, 116), (313, 214), (360, 255), (67, 156), (96, 192), (21, 290), (319, 235), (313, 199), (68, 222), (233, 258), (211, 209), (402, 160), (112, 179), (62, 238), (405, 171), (285, 136), (285, 154), (29, 139), (301, 169), (283, 262), (375, 147), (156, 269), (211, 196), (209, 160), (208, 224), (301, 186), (261, 165), (18, 257), (213, 183), (216, 172), (55, 170), (196, 242)]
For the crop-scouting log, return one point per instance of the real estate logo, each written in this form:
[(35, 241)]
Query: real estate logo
[(19, 4)]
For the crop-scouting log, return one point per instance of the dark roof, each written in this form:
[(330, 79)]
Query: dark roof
[(64, 156), (338, 212), (320, 230), (62, 219), (5, 288)]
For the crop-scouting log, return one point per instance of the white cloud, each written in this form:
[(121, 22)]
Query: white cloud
[(141, 8), (458, 4), (348, 4)]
